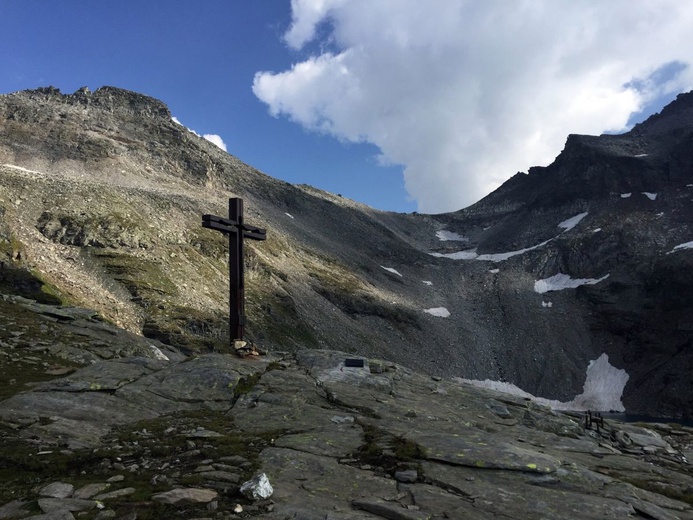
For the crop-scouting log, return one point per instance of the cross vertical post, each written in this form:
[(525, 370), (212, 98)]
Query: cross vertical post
[(236, 275), (237, 230)]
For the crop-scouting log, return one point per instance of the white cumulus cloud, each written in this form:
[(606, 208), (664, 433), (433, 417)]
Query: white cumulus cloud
[(212, 138), (463, 94), (215, 139)]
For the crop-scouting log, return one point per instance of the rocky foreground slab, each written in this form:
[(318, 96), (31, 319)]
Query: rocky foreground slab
[(119, 427)]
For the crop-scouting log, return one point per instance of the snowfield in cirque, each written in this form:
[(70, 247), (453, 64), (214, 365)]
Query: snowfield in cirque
[(560, 281), (602, 391), (681, 247), (471, 254), (440, 312), (449, 236)]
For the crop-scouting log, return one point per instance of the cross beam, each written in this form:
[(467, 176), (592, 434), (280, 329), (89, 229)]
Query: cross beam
[(236, 230)]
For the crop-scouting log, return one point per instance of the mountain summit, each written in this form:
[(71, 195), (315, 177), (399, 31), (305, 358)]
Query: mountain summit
[(577, 271)]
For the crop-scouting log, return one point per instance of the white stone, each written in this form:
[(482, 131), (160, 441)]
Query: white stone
[(257, 488)]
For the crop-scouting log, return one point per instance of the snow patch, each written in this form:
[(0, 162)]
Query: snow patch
[(546, 304), (289, 215), (651, 196), (494, 271), (500, 257), (560, 281), (681, 247), (642, 155), (426, 282), (602, 391), (603, 387), (15, 167), (572, 221), (596, 230), (625, 195), (459, 255), (391, 270), (471, 254), (441, 312), (158, 354), (449, 236)]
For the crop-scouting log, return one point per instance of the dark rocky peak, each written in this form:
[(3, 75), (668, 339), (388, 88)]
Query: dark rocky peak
[(111, 99), (130, 102), (677, 115), (655, 154)]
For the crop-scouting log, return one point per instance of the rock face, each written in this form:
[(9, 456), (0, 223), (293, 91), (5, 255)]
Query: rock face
[(307, 434), (100, 201)]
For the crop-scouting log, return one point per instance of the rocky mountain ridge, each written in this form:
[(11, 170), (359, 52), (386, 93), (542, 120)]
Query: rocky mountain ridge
[(101, 193)]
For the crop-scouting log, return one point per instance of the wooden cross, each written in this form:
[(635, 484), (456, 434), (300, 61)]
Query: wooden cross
[(237, 230)]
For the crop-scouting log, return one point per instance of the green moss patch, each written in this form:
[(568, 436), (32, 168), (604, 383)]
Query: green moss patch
[(382, 449), (152, 456), (141, 277), (21, 282), (187, 328), (24, 356)]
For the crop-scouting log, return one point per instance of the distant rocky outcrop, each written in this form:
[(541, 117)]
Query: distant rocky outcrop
[(99, 423), (100, 201)]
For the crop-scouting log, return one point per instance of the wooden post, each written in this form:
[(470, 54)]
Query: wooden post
[(236, 278), (237, 230)]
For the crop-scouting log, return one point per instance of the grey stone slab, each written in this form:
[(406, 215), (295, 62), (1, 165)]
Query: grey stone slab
[(442, 504), (223, 476), (651, 510), (117, 493), (507, 494), (90, 490), (303, 481), (207, 378), (480, 451), (57, 490), (390, 510), (13, 509), (102, 376), (48, 505), (338, 441), (186, 496), (54, 515)]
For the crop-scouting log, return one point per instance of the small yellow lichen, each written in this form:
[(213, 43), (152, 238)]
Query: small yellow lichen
[(532, 466)]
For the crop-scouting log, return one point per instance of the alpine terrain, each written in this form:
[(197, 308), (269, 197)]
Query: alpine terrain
[(120, 396), (102, 195)]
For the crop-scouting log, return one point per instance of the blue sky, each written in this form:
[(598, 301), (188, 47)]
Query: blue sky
[(200, 59), (392, 103)]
